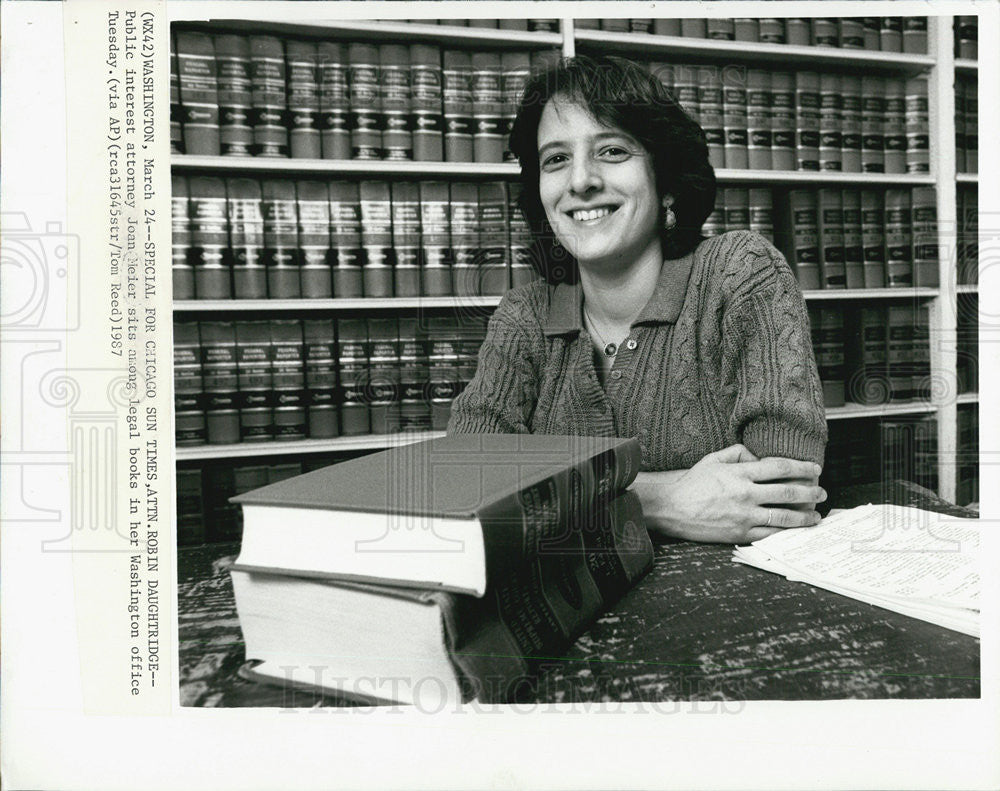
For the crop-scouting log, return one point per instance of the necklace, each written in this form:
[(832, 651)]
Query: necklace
[(610, 349)]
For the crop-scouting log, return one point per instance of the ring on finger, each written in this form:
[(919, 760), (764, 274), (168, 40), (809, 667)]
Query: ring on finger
[(770, 514)]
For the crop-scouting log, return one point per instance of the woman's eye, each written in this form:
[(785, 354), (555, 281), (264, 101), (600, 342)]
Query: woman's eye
[(615, 153), (554, 161)]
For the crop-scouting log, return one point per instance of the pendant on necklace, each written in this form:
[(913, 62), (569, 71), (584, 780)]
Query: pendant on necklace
[(610, 350)]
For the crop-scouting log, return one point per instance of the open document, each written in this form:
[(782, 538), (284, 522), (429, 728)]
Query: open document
[(914, 562)]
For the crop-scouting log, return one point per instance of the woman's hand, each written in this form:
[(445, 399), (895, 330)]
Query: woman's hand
[(730, 496)]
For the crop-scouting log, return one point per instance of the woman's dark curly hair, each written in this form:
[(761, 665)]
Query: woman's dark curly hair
[(620, 94)]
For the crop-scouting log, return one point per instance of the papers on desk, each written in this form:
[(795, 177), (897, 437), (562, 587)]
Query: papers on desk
[(914, 562)]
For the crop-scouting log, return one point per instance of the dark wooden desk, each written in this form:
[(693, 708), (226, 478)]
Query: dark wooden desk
[(698, 627)]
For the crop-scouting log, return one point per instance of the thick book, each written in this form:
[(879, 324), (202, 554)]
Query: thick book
[(219, 376), (199, 93), (960, 163), (920, 354), (746, 29), (515, 69), (761, 215), (405, 204), (720, 29), (866, 376), (414, 408), (376, 239), (181, 268), (771, 30), (967, 37), (382, 390), (854, 257), (320, 352), (798, 31), (852, 33), (759, 119), (871, 28), (898, 238), (807, 120), (451, 513), (269, 96), (427, 119), (209, 237), (345, 238), (442, 344), (464, 227), (352, 376), (736, 201), (334, 101), (915, 35), (521, 240), (918, 126), (281, 239), (246, 238), (894, 126), (918, 563), (797, 234), (457, 104), (288, 380), (313, 206), (831, 105), (828, 344), (395, 94), (925, 237), (693, 28), (971, 127), (303, 99), (176, 111), (487, 97), (891, 34), (430, 647), (494, 246), (366, 120), (850, 123), (872, 120), (255, 397), (899, 351), (710, 113), (830, 208), (734, 124), (825, 32), (873, 238), (783, 120), (232, 54), (435, 239), (189, 387)]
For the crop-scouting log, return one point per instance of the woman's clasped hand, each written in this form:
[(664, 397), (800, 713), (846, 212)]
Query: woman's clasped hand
[(731, 496)]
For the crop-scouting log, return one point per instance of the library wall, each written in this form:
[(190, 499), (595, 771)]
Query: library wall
[(345, 219)]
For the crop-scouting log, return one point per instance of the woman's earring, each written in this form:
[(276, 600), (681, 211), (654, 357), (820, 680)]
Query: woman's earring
[(669, 219)]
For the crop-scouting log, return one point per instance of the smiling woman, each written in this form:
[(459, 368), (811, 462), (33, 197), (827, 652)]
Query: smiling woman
[(639, 326)]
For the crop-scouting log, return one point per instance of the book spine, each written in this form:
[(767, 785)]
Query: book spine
[(190, 508), (270, 107), (873, 238), (288, 376), (643, 25), (898, 239), (899, 351), (759, 119), (831, 238), (915, 35), (394, 80), (798, 31), (256, 388), (209, 237), (615, 25), (442, 369), (746, 29), (762, 212), (197, 78), (720, 29), (734, 121), (427, 119), (851, 126), (971, 127), (854, 255), (406, 237), (464, 239), (487, 142), (736, 201), (852, 33), (376, 239), (176, 109), (303, 100), (960, 164), (807, 120), (457, 103), (866, 376), (872, 132), (471, 332), (515, 69), (894, 126), (189, 401), (246, 238), (313, 205), (969, 246), (414, 404), (771, 30), (828, 344), (968, 37), (352, 375), (871, 30), (320, 377), (830, 122), (232, 54), (825, 32), (715, 223), (925, 237), (920, 370), (783, 120), (710, 114), (219, 374), (800, 236), (686, 90), (891, 34), (595, 24), (334, 101), (345, 238), (181, 265), (693, 28), (366, 107), (494, 245), (281, 242), (382, 391), (521, 269), (435, 256)]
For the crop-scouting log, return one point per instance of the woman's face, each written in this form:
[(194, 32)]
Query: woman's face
[(597, 187)]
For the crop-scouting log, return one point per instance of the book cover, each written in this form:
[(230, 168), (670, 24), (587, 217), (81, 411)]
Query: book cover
[(759, 119), (960, 164), (376, 239), (345, 238), (872, 131), (771, 30), (873, 238), (615, 25), (209, 237), (366, 120), (720, 29), (866, 373), (427, 119), (830, 122), (395, 92), (219, 375), (190, 507), (828, 345), (899, 351), (521, 240), (642, 25), (736, 201), (891, 34), (894, 126), (920, 370), (830, 208), (487, 140), (693, 28), (269, 97), (197, 79), (281, 239), (798, 31), (783, 120), (288, 377), (915, 35), (189, 401), (918, 125), (807, 118), (852, 33), (435, 254), (181, 266), (797, 234), (313, 208), (405, 199), (232, 55), (710, 113), (925, 237), (825, 32), (686, 90), (872, 28), (334, 101), (352, 375), (734, 120), (255, 397), (303, 99), (464, 227), (441, 340), (971, 127), (762, 212), (746, 29), (850, 123), (414, 407), (457, 104), (898, 238), (494, 245), (967, 37), (176, 110), (382, 391), (246, 238), (319, 341), (515, 69)]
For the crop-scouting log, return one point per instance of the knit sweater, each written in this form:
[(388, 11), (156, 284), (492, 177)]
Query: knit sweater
[(720, 354)]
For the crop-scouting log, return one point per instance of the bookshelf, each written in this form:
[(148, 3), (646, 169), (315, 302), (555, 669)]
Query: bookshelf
[(939, 65)]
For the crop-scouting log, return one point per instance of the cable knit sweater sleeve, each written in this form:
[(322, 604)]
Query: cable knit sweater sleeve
[(768, 355), (502, 395)]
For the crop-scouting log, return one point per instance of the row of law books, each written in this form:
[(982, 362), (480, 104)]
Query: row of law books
[(290, 379), (966, 126), (438, 572), (277, 238), (268, 96), (885, 34), (805, 120), (872, 354), (847, 238)]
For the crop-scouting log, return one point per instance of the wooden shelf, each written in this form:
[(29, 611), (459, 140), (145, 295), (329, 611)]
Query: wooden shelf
[(363, 303), (388, 31), (967, 398), (787, 56), (258, 449), (380, 168), (849, 411), (869, 293)]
